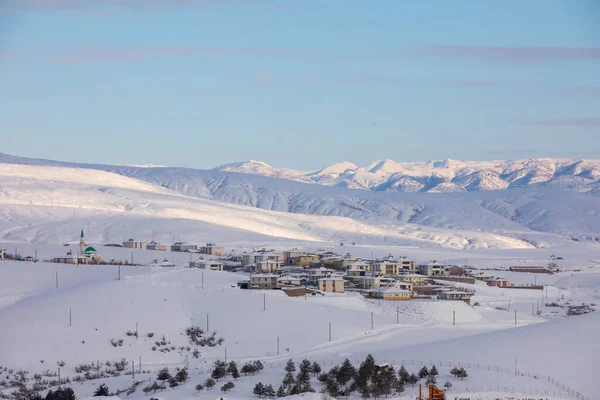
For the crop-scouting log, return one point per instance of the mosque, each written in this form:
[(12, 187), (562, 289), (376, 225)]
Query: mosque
[(90, 254)]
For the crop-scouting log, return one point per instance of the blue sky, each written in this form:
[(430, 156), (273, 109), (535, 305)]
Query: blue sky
[(298, 83)]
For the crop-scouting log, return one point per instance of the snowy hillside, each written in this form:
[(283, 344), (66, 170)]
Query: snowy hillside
[(46, 204), (513, 218), (73, 324)]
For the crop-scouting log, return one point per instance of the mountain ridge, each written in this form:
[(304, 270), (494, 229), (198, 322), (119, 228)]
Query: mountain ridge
[(440, 175)]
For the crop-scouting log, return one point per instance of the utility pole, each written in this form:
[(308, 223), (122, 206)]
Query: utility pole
[(59, 375), (397, 315), (508, 306), (203, 280), (35, 259), (57, 279), (515, 317), (371, 320), (264, 302), (132, 370), (454, 317), (119, 266), (136, 329), (70, 319), (132, 258), (140, 365), (532, 310), (277, 345), (515, 367), (330, 331)]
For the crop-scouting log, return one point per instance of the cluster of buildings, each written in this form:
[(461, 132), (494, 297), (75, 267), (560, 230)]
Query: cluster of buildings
[(388, 278), (210, 248)]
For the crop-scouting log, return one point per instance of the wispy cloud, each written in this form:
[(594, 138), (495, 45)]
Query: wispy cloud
[(474, 84), (137, 5), (506, 54), (112, 55), (566, 122), (265, 79), (371, 79)]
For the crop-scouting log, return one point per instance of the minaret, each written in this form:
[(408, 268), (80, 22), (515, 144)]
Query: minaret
[(81, 244)]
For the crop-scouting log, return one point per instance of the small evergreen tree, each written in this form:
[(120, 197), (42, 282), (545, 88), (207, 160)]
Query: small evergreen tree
[(315, 369), (332, 388), (289, 366), (101, 390), (281, 392), (259, 389), (303, 378), (61, 394), (400, 385), (209, 383), (288, 379), (219, 370), (163, 375), (258, 365), (227, 387), (448, 385), (403, 375), (182, 375), (363, 376), (423, 372), (455, 371), (173, 383), (199, 387), (433, 371), (248, 368), (462, 373), (269, 391), (346, 372), (233, 370), (413, 379)]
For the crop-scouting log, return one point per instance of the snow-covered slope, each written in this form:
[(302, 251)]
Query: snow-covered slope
[(49, 204), (518, 217)]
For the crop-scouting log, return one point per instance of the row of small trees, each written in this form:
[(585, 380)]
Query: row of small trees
[(372, 380), (222, 369)]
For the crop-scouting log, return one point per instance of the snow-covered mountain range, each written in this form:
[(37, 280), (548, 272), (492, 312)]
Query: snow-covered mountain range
[(525, 217), (440, 176)]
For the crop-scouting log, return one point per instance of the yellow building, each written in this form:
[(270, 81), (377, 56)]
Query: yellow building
[(304, 260), (415, 279), (391, 294)]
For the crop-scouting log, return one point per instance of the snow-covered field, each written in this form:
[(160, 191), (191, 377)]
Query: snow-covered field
[(43, 325), (44, 206)]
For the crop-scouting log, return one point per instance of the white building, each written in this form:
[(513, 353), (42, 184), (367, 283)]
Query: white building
[(205, 264), (132, 244), (432, 269)]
